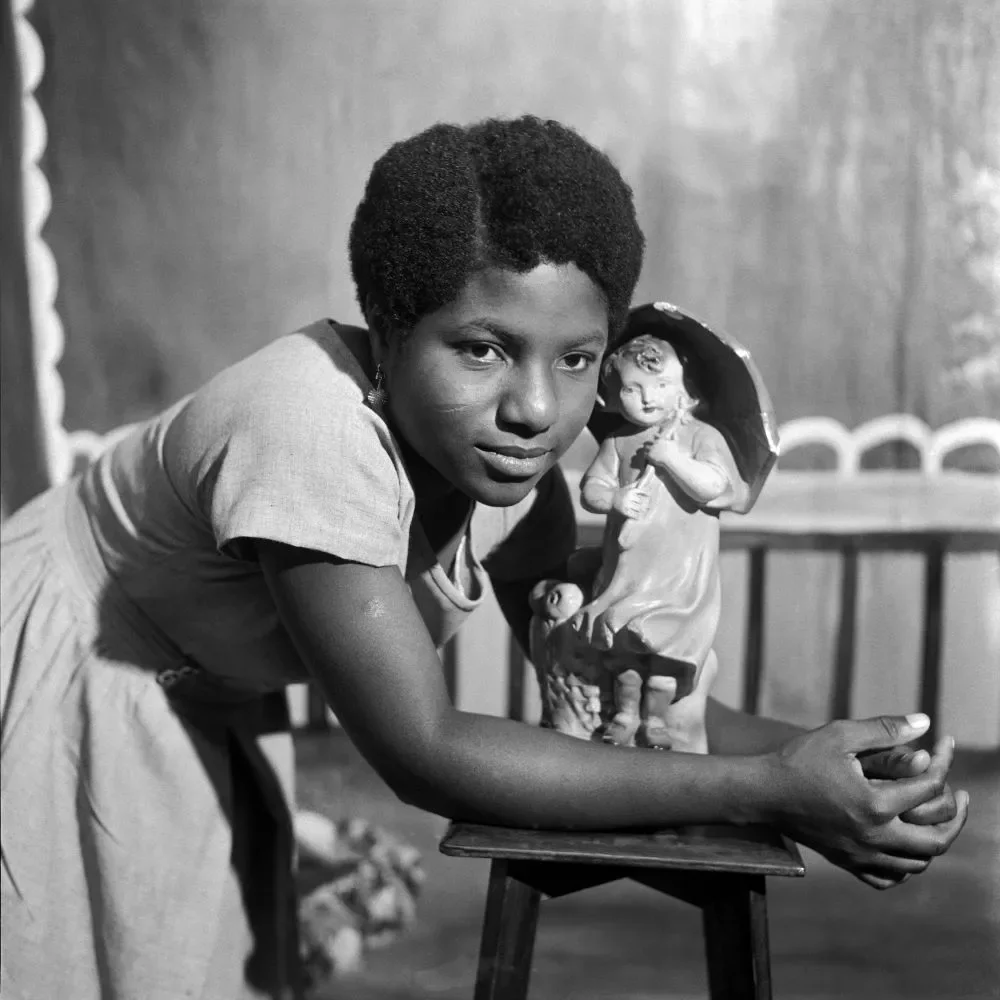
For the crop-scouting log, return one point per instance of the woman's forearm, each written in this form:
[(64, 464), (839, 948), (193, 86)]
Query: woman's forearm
[(493, 770), (733, 732)]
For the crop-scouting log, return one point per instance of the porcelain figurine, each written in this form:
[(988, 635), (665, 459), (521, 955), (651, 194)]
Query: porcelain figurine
[(641, 631)]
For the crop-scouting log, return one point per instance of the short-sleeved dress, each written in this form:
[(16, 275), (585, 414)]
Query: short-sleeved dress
[(145, 841)]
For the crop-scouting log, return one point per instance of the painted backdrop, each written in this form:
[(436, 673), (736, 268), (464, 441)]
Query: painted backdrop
[(817, 177)]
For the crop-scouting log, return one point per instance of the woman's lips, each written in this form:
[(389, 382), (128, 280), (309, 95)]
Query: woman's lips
[(518, 463)]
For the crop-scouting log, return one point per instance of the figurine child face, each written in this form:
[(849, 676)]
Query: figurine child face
[(651, 383)]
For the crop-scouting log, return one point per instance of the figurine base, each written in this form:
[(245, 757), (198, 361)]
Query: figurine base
[(628, 699)]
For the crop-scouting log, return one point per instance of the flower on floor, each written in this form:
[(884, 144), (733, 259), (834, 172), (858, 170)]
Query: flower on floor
[(366, 898)]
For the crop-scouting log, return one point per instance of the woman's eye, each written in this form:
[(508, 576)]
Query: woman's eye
[(578, 362), (483, 353)]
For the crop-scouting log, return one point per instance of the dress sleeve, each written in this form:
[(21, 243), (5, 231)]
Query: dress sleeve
[(283, 447), (536, 536)]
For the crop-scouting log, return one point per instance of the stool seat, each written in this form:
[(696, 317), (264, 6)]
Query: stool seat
[(751, 850), (719, 869)]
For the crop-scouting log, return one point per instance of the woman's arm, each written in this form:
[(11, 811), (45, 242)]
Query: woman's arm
[(360, 635)]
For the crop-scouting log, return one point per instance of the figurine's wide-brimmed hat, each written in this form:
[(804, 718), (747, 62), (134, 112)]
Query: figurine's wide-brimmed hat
[(736, 400)]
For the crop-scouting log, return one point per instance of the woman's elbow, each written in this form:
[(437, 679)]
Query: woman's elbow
[(412, 786), (417, 795), (417, 771)]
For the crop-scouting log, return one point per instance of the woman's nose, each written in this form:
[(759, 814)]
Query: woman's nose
[(530, 404)]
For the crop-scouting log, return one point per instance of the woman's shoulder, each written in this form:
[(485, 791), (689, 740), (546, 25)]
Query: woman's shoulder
[(283, 445), (324, 355), (300, 399), (316, 375)]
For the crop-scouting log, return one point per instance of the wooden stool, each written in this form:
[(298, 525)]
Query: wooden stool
[(720, 869)]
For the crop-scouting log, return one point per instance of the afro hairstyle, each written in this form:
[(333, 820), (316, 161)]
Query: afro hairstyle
[(512, 193)]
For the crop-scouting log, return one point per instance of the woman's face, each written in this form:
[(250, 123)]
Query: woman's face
[(490, 390)]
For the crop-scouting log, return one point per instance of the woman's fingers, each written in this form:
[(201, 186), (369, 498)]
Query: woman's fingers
[(910, 840), (879, 871), (893, 798), (908, 761), (903, 850), (884, 869), (891, 866), (879, 733), (900, 762), (939, 810), (924, 794), (879, 881), (901, 813)]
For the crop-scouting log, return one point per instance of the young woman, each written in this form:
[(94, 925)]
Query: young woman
[(332, 508)]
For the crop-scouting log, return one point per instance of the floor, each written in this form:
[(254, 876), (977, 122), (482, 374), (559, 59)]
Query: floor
[(832, 938)]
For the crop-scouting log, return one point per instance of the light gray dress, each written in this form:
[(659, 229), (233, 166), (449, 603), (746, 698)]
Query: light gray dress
[(145, 842)]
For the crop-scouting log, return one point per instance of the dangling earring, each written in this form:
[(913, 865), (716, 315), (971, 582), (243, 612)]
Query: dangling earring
[(378, 394)]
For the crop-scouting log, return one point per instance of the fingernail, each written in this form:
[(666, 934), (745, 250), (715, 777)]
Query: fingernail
[(918, 720)]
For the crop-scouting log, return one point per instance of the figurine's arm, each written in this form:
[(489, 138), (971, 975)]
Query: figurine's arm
[(703, 481), (711, 447), (600, 482), (707, 473)]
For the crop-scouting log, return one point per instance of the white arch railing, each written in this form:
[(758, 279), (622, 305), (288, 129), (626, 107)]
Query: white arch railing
[(849, 446)]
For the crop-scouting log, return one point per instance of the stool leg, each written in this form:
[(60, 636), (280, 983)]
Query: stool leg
[(736, 946), (508, 936)]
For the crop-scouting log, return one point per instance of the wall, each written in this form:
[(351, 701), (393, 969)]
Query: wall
[(818, 178)]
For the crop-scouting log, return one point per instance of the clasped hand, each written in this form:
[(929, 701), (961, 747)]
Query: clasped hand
[(853, 792)]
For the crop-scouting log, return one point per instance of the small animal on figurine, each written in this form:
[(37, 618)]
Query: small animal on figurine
[(571, 694)]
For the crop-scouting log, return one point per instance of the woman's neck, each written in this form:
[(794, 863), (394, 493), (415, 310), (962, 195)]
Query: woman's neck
[(429, 486), (443, 521)]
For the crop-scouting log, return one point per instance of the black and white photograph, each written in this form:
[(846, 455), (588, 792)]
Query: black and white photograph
[(500, 501)]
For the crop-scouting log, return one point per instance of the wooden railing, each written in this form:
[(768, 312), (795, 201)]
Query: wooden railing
[(931, 510)]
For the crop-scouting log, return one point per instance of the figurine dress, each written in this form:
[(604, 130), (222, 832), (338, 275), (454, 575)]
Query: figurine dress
[(658, 589)]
